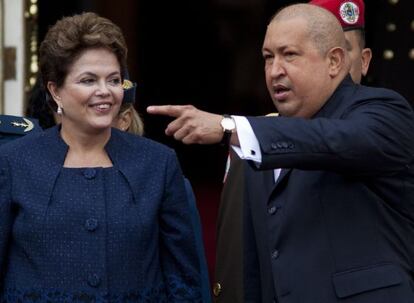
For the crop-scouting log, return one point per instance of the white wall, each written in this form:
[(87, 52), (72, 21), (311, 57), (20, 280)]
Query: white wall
[(13, 15)]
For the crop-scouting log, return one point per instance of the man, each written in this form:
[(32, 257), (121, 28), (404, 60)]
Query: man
[(339, 221), (228, 286)]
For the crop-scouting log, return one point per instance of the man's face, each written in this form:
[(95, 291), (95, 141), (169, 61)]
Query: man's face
[(360, 58), (297, 74)]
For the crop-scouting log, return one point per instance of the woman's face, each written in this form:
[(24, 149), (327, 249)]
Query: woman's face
[(92, 92)]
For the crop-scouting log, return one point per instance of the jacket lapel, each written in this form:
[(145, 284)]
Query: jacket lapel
[(268, 181), (283, 177), (50, 155), (283, 174), (128, 163), (330, 107)]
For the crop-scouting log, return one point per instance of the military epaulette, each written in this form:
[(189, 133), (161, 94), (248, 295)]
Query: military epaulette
[(13, 127)]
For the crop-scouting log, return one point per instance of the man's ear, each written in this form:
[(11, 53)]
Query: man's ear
[(338, 61), (366, 56)]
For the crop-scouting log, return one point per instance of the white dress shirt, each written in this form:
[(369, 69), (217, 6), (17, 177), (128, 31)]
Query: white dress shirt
[(249, 145)]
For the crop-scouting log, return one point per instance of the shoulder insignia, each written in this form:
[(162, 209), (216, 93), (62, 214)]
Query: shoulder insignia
[(27, 125), (15, 125)]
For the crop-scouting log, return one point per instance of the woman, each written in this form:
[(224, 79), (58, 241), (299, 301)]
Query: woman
[(89, 213)]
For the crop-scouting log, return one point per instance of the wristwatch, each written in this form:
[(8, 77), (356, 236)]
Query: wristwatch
[(228, 125)]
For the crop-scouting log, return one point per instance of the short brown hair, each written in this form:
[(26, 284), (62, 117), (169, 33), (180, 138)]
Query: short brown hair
[(70, 36)]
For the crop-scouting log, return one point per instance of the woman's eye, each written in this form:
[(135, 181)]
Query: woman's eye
[(87, 81), (115, 81)]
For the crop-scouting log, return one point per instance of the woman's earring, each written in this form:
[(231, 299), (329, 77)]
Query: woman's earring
[(59, 110)]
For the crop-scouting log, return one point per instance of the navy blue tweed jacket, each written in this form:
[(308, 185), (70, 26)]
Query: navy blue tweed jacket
[(120, 234)]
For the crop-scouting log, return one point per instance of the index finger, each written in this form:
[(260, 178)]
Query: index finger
[(166, 110)]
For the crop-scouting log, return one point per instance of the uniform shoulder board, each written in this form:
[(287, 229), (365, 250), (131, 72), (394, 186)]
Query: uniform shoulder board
[(13, 127)]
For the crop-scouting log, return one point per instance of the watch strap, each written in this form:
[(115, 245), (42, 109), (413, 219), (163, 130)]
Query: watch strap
[(225, 141)]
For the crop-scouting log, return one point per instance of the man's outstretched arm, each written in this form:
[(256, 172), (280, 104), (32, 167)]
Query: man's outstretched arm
[(191, 125)]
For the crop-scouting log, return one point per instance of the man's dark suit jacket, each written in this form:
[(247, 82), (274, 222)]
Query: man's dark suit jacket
[(338, 226)]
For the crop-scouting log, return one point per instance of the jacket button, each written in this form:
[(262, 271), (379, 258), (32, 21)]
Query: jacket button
[(217, 289), (91, 224), (94, 280), (272, 210), (275, 254), (89, 173)]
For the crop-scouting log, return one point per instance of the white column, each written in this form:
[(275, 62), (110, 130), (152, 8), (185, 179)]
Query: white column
[(13, 30)]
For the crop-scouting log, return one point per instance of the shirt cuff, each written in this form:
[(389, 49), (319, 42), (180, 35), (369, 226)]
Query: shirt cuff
[(249, 145)]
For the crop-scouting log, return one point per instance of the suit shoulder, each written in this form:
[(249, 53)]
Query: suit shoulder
[(15, 127), (21, 145), (379, 92), (363, 95)]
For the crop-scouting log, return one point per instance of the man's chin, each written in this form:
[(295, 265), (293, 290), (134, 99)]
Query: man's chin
[(284, 109)]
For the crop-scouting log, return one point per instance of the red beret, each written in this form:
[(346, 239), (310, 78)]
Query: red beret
[(350, 13)]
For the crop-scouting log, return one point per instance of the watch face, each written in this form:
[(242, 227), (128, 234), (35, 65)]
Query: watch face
[(228, 124)]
